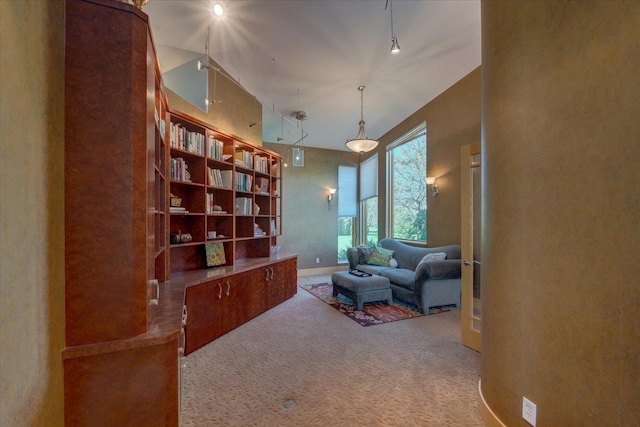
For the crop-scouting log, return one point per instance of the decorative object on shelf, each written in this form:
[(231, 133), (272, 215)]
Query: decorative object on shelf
[(211, 234), (257, 231), (175, 202), (180, 237), (140, 3), (331, 191), (431, 183), (361, 143), (217, 208), (256, 209), (215, 254), (395, 47)]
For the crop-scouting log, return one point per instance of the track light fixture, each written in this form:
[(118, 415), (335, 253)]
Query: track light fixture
[(217, 9), (395, 47)]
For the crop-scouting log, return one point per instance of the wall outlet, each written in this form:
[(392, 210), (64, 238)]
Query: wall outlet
[(529, 411), (317, 260)]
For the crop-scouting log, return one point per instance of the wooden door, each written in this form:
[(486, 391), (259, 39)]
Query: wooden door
[(276, 284), (204, 305), (471, 189), (259, 291), (290, 278), (235, 297)]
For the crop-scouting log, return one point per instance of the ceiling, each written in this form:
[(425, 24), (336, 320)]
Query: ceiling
[(311, 56)]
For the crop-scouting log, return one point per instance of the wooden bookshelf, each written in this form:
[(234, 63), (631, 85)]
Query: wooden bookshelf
[(226, 186)]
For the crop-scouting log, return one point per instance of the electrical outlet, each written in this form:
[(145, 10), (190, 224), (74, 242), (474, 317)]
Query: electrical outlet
[(529, 411), (317, 260)]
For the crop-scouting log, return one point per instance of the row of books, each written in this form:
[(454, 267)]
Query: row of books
[(219, 178), (243, 158), (262, 163), (244, 206), (244, 182), (159, 122), (178, 170), (184, 139), (215, 148)]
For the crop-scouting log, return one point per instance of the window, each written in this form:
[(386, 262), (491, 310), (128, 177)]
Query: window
[(347, 196), (407, 171), (369, 200)]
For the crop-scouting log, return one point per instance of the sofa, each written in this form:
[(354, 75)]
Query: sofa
[(425, 283)]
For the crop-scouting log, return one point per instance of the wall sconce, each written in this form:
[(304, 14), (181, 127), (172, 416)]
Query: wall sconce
[(332, 191), (431, 183)]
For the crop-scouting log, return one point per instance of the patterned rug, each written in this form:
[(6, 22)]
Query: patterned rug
[(372, 313)]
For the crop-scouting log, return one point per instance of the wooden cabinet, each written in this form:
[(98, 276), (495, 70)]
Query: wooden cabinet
[(204, 308), (221, 304), (228, 191), (290, 278), (116, 251)]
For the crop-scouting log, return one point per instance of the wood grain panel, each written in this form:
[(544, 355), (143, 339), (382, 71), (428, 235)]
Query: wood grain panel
[(204, 323), (105, 157), (132, 387)]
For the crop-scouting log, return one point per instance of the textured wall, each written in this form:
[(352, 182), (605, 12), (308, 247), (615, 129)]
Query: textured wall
[(561, 159), (31, 212), (310, 228), (453, 120), (237, 109)]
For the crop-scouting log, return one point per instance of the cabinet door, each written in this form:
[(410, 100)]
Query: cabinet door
[(259, 291), (204, 305), (276, 284), (235, 301), (290, 278)]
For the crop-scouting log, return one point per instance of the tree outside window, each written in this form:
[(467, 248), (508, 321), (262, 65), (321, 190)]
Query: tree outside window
[(407, 189)]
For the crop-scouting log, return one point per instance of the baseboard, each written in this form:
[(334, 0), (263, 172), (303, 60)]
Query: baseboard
[(323, 270), (489, 418)]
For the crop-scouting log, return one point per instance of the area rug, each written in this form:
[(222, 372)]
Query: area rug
[(373, 313)]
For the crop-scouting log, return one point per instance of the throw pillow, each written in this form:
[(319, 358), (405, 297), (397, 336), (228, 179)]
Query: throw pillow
[(380, 256), (364, 252), (435, 256), (393, 263)]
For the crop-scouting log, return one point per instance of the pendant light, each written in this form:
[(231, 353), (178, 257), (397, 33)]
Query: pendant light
[(361, 143)]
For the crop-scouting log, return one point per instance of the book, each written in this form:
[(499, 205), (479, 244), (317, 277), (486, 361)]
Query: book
[(215, 254)]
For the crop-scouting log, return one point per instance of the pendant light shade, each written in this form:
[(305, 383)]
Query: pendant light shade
[(361, 143)]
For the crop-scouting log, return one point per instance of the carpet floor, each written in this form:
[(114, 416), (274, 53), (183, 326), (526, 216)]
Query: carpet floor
[(303, 363)]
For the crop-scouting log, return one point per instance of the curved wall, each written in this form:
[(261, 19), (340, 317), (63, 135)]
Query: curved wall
[(561, 232)]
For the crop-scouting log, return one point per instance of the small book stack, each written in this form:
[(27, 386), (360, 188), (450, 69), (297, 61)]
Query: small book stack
[(178, 210)]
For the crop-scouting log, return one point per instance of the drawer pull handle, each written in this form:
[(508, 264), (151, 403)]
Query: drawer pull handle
[(156, 300)]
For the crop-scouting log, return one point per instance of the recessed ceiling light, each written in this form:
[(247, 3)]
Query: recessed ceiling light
[(218, 10)]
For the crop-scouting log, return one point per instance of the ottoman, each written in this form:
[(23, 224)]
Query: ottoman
[(361, 289)]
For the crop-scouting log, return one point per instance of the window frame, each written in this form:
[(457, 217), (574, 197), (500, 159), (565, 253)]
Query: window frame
[(410, 136)]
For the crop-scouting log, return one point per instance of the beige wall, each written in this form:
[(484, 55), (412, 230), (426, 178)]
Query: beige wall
[(453, 120), (561, 237), (310, 228), (31, 212), (232, 116)]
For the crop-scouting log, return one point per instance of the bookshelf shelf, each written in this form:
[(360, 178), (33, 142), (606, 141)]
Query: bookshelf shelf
[(226, 174)]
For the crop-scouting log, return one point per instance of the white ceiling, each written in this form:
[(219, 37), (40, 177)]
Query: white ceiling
[(312, 55)]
